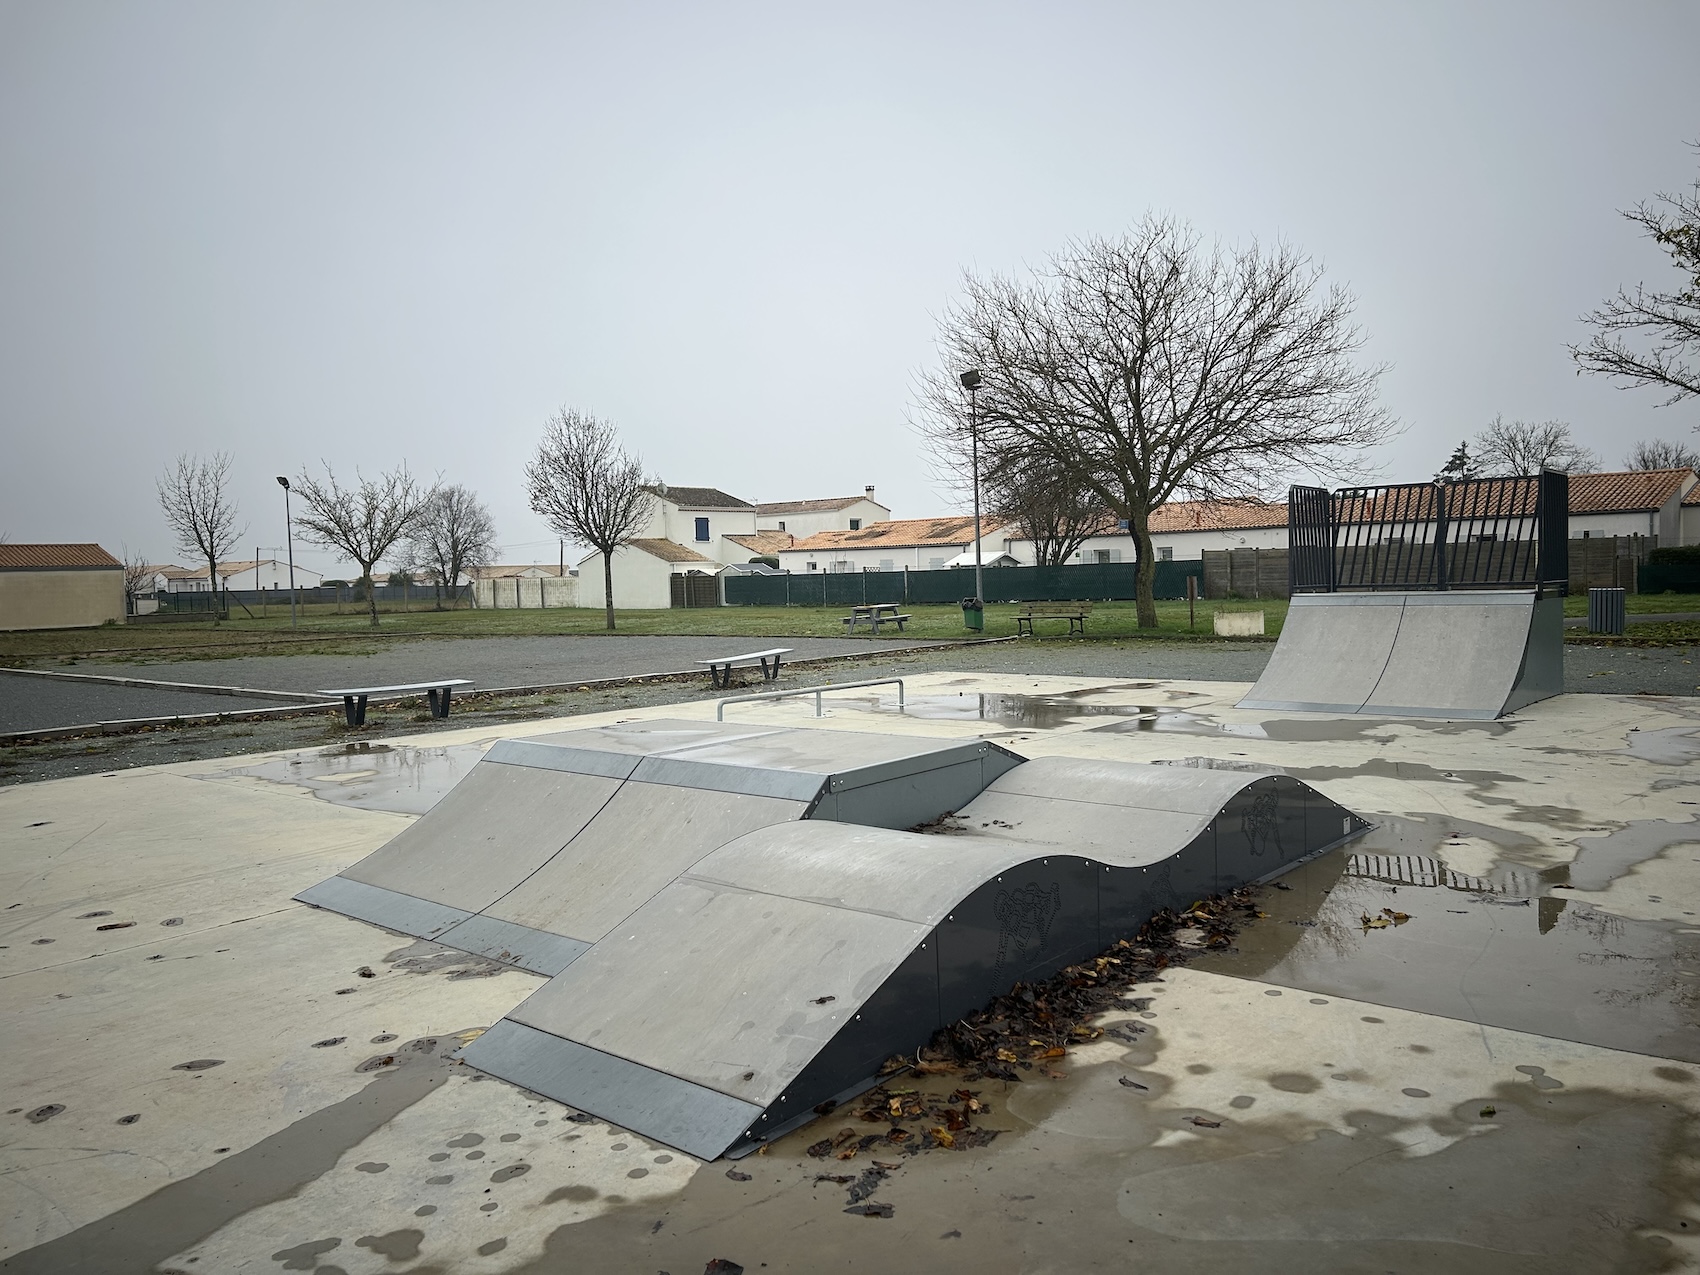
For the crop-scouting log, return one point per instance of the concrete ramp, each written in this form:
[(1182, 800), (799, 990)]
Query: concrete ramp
[(551, 841), (783, 968), (1466, 654)]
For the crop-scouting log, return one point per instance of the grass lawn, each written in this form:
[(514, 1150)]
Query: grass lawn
[(1639, 603), (322, 630)]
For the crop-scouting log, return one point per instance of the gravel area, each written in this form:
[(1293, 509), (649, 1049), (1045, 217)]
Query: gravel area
[(1614, 670), (490, 662), (37, 703)]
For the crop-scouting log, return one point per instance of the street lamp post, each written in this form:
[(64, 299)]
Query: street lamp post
[(971, 382), (289, 538)]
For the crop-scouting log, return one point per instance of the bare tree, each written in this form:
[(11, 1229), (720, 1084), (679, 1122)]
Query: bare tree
[(454, 534), (362, 523), (195, 497), (139, 579), (1527, 447), (1659, 453), (1046, 506), (1150, 367), (588, 488), (1665, 325)]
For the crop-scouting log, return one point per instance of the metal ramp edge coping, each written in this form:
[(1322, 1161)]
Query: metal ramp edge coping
[(1534, 678), (822, 793), (919, 986)]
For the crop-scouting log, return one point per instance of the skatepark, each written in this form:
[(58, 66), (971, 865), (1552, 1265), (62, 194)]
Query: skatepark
[(593, 993)]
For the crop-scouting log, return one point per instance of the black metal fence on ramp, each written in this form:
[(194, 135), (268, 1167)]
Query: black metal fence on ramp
[(1485, 533)]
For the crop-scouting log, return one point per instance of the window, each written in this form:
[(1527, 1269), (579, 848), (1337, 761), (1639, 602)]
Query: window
[(1484, 537), (855, 524), (1165, 554), (1100, 555), (811, 566), (886, 564), (1586, 535), (782, 524), (702, 528), (935, 564)]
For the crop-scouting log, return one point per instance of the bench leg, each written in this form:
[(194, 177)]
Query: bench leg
[(720, 680), (354, 708), (439, 701), (770, 673)]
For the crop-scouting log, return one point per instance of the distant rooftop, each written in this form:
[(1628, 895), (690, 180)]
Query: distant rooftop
[(51, 557), (698, 497)]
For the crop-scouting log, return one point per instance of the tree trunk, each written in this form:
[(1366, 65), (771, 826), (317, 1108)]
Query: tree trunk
[(212, 586), (1145, 576), (608, 585), (371, 592)]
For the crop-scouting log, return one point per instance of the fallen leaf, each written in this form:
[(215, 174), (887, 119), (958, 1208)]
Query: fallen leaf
[(1202, 1123), (736, 1176), (1132, 1084)]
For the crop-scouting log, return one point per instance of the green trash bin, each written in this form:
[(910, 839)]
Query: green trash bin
[(974, 614)]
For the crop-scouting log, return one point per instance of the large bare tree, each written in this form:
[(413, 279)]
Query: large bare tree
[(1153, 366), (363, 522), (1663, 326), (1527, 447), (454, 534), (588, 488), (194, 495), (1661, 453)]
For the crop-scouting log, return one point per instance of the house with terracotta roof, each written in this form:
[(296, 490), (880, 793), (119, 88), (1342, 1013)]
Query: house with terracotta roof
[(804, 518), (1181, 530), (59, 586), (1637, 502), (901, 544)]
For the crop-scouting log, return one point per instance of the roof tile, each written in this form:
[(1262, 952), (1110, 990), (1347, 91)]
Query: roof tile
[(26, 557)]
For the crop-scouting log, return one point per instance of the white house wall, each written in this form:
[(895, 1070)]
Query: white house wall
[(640, 580), (805, 525), (669, 521)]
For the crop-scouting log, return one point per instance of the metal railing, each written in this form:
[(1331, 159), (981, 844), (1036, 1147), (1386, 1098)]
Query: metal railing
[(1483, 533), (816, 691)]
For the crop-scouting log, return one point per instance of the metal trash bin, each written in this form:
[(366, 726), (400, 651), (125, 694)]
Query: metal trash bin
[(974, 614), (1605, 610)]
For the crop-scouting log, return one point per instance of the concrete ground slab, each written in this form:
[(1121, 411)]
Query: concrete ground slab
[(1345, 1128)]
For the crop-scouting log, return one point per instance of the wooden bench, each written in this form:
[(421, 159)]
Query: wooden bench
[(720, 668), (874, 615), (1074, 612), (436, 694)]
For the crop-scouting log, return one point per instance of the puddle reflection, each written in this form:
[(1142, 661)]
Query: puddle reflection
[(368, 776)]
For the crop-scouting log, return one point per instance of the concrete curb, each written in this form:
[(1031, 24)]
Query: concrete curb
[(133, 725)]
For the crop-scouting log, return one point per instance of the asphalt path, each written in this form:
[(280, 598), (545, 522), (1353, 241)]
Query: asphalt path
[(28, 703), (39, 703)]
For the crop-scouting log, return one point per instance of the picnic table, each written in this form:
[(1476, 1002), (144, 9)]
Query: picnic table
[(720, 667), (873, 615), (436, 694)]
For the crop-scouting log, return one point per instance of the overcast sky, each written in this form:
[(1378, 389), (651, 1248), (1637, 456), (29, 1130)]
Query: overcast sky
[(371, 233)]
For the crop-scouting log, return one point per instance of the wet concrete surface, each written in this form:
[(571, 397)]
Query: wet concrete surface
[(41, 703), (372, 775), (1511, 947)]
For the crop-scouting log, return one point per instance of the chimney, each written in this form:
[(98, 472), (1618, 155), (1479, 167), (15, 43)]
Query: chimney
[(868, 492)]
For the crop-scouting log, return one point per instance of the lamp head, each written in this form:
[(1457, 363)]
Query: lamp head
[(970, 380), (283, 482)]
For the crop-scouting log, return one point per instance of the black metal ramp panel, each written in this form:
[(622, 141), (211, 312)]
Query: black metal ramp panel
[(550, 841), (784, 967)]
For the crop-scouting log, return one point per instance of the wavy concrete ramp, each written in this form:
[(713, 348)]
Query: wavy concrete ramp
[(783, 968), (1468, 654), (551, 841)]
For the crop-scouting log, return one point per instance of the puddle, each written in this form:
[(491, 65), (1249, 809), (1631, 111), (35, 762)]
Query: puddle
[(392, 777), (1491, 943), (1602, 860), (1047, 712), (1675, 746)]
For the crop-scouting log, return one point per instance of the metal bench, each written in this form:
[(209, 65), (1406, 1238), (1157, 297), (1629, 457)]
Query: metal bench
[(720, 668), (436, 694), (1074, 612)]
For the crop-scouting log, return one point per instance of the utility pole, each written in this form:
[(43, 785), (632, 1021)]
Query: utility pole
[(289, 537), (971, 382)]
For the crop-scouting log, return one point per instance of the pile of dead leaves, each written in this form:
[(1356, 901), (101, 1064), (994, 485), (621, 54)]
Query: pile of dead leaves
[(1032, 1027), (914, 1121)]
